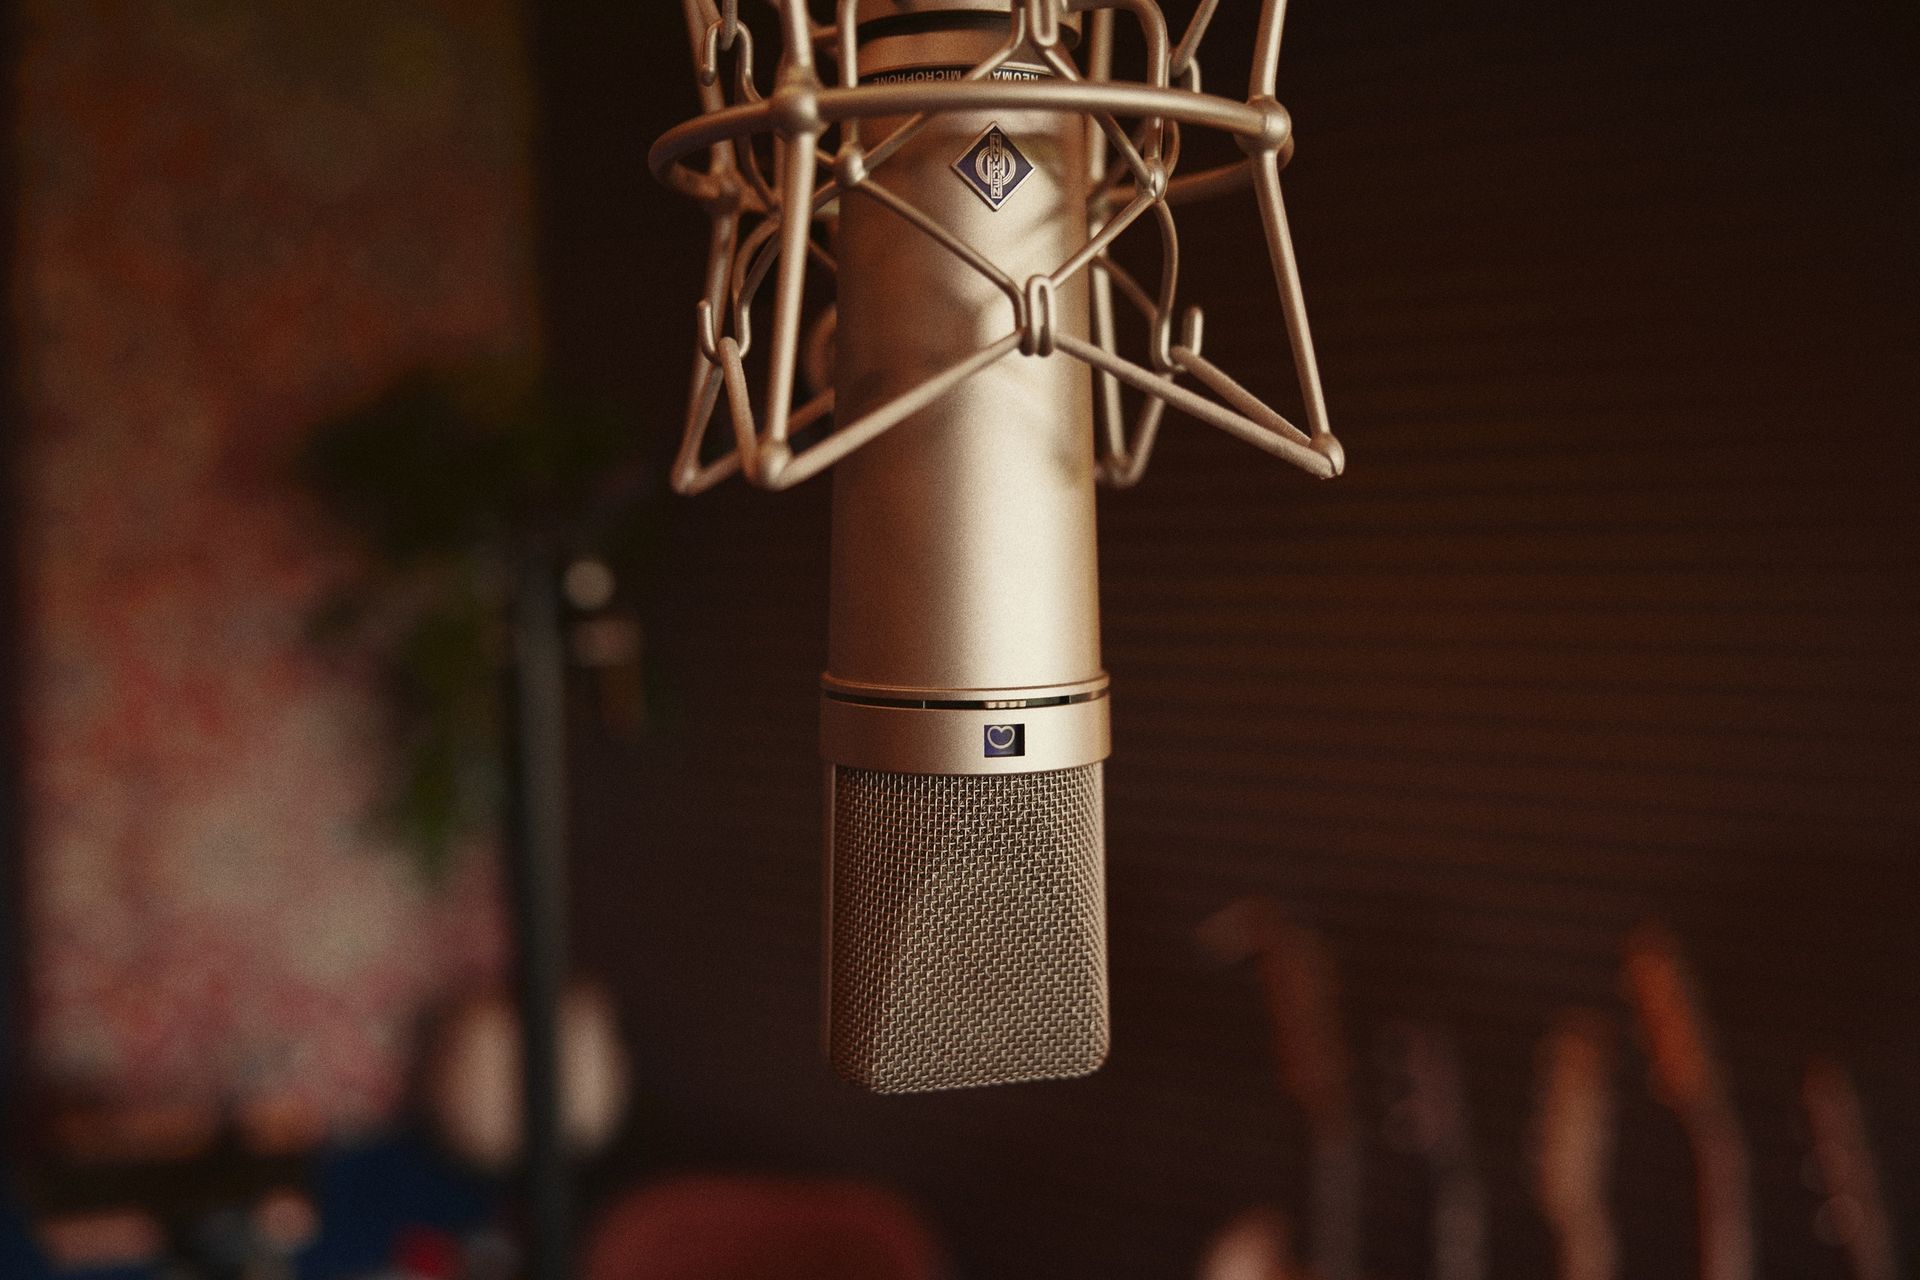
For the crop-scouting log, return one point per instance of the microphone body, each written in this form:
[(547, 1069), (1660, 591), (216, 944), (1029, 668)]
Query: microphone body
[(964, 708)]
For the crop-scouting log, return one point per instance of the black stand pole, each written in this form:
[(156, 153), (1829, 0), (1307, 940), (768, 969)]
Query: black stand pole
[(538, 842)]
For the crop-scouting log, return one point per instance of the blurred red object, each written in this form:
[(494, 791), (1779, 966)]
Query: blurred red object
[(760, 1229), (426, 1254)]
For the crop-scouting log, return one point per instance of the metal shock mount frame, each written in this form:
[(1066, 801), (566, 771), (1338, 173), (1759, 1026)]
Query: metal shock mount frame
[(762, 224)]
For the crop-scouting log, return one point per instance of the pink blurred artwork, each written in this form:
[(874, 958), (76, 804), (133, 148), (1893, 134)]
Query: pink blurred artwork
[(236, 219)]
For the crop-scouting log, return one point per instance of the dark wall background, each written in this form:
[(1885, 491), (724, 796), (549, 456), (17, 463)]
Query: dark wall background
[(1613, 617)]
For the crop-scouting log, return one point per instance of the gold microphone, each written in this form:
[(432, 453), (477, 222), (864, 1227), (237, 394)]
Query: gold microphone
[(962, 168)]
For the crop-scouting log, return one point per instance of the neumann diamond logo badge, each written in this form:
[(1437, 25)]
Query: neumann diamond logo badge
[(993, 167)]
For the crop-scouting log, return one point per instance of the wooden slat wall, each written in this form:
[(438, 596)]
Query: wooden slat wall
[(1614, 617)]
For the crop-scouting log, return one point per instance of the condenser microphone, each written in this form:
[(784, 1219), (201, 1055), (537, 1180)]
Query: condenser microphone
[(964, 709), (972, 173)]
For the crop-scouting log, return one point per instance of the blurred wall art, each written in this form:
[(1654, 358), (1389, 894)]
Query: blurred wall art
[(237, 219)]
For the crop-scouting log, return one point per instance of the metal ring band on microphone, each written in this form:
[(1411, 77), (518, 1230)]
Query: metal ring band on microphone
[(965, 740), (920, 696)]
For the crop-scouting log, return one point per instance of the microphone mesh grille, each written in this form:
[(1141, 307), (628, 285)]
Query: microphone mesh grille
[(968, 928)]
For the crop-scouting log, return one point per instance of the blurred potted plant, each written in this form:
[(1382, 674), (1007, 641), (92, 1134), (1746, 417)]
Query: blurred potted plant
[(448, 482)]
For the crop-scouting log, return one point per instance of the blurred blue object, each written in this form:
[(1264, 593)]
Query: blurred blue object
[(19, 1255), (370, 1196)]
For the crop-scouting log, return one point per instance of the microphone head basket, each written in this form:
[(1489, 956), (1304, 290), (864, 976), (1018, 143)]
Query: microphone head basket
[(763, 216)]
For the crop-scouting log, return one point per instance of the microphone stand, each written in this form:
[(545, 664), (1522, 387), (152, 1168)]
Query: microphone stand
[(533, 509), (537, 844), (536, 849)]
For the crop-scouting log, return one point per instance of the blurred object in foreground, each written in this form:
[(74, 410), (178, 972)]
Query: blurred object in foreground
[(1688, 1077), (344, 1209), (1310, 1051), (1430, 1116), (1854, 1215), (755, 1229), (1254, 1246), (21, 1257), (393, 1201), (112, 1240), (1574, 1143), (474, 1080)]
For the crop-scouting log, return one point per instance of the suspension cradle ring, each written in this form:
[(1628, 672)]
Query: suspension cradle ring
[(1264, 125)]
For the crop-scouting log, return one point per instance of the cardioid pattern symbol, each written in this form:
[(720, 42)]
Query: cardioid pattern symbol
[(763, 226)]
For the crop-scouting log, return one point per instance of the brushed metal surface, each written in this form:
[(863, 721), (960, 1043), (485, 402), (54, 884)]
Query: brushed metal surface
[(855, 692), (866, 11), (870, 10), (952, 740), (963, 540)]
